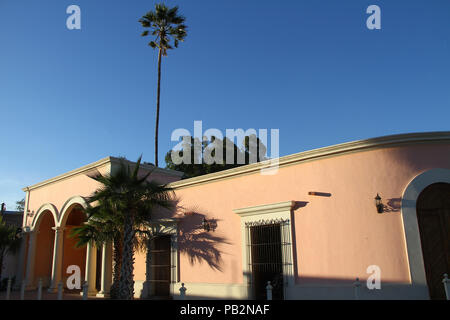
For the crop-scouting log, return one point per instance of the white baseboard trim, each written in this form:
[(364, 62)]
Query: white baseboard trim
[(210, 291), (333, 292)]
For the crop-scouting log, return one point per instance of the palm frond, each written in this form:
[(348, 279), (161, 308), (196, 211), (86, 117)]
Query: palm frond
[(166, 25)]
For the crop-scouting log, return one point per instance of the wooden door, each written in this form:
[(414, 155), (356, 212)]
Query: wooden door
[(161, 266), (433, 214)]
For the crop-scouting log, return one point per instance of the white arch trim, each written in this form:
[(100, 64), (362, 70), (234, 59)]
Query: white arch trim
[(45, 207), (410, 223), (65, 210)]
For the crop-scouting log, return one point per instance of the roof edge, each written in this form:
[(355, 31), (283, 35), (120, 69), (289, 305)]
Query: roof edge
[(98, 164), (69, 174), (334, 150)]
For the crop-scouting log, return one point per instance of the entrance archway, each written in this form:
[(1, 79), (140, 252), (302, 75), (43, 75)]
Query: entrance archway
[(71, 254), (433, 215), (45, 237)]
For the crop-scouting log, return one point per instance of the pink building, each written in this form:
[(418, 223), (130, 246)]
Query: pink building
[(310, 228)]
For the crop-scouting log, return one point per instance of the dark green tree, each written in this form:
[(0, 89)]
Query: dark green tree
[(20, 205), (9, 241), (241, 156)]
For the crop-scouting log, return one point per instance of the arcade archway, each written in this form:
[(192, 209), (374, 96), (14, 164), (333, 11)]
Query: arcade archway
[(45, 237), (71, 255)]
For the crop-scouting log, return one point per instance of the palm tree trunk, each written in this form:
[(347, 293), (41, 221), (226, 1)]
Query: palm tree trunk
[(117, 251), (157, 107), (126, 284)]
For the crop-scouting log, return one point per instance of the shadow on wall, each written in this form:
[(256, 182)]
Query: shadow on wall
[(200, 245), (393, 205), (299, 204)]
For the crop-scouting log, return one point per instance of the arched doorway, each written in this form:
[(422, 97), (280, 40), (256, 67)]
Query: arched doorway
[(45, 238), (433, 215), (71, 254)]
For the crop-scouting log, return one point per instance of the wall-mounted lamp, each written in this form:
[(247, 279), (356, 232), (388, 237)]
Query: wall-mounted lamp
[(19, 232), (209, 225), (379, 204)]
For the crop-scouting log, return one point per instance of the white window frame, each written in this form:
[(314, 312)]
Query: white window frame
[(170, 228), (279, 210)]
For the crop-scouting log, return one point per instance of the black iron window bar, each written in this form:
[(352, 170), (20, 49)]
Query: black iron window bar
[(276, 235)]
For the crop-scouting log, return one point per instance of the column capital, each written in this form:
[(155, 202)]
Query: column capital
[(58, 229)]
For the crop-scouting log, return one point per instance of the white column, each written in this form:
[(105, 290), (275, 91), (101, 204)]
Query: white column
[(91, 268), (173, 259), (29, 276), (57, 258), (106, 270)]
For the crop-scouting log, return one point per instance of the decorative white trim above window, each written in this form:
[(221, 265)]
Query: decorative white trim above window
[(274, 208), (269, 212)]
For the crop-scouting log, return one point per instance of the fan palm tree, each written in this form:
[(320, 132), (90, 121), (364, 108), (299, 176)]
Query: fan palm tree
[(103, 225), (168, 29), (133, 198), (9, 241)]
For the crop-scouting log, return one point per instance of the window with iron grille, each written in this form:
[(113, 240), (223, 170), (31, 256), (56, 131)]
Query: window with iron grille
[(268, 243)]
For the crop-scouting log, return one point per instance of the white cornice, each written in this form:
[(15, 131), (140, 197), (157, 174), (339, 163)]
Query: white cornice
[(331, 151), (265, 209), (69, 174), (149, 167), (339, 149), (95, 165)]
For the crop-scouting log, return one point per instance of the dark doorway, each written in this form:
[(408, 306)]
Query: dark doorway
[(433, 215), (160, 266), (266, 263)]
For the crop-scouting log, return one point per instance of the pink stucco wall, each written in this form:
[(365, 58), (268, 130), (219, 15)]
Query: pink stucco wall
[(336, 237), (59, 192)]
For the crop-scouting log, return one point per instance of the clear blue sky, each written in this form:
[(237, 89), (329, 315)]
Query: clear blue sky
[(311, 69)]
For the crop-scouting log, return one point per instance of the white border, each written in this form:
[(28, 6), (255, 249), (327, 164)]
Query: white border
[(280, 210), (411, 225)]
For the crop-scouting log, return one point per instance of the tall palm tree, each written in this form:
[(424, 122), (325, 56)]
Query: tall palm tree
[(134, 199), (167, 26)]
